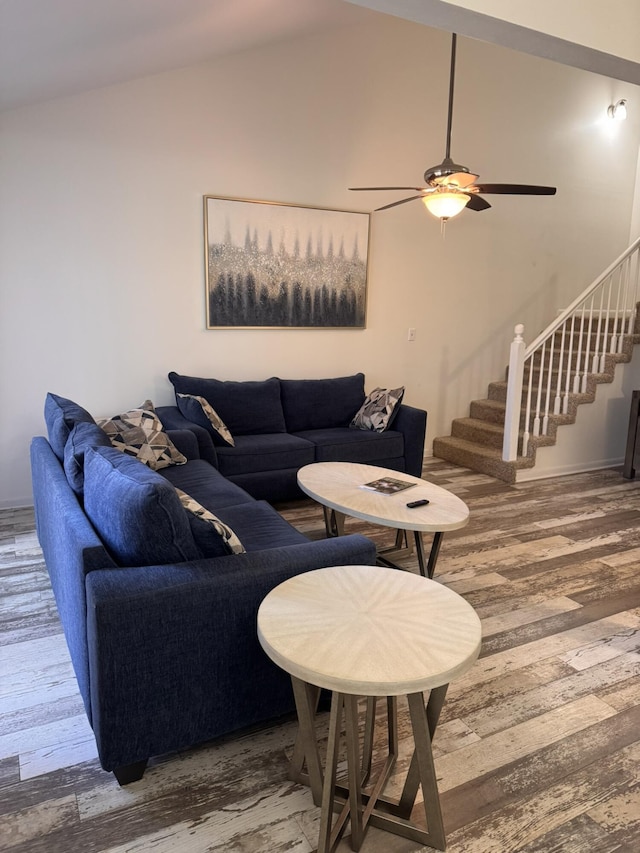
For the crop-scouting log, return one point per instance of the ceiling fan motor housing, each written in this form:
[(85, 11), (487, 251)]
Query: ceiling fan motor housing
[(443, 170)]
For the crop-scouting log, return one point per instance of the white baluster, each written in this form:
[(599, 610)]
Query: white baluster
[(514, 396), (558, 398)]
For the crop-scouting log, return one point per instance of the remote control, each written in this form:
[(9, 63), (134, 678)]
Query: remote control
[(413, 504)]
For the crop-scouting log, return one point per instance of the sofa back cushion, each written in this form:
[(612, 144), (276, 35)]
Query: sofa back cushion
[(61, 415), (321, 403), (247, 408), (82, 436), (136, 512)]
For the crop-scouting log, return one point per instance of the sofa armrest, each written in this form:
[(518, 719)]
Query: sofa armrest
[(173, 650), (172, 418), (412, 423), (185, 441)]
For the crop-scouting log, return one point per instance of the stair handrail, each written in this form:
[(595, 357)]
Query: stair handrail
[(520, 354), (553, 327)]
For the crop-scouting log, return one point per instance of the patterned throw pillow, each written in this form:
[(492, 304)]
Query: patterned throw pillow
[(378, 410), (197, 407), (139, 433), (209, 529)]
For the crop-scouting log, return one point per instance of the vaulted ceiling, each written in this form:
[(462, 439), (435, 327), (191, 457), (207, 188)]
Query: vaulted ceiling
[(52, 48)]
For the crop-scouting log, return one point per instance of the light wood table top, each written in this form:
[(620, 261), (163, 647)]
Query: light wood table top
[(369, 630), (338, 485)]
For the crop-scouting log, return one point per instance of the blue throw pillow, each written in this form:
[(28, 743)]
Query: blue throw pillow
[(321, 403), (247, 408), (136, 512), (82, 436), (61, 415)]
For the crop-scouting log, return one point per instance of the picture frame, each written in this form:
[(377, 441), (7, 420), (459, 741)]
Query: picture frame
[(272, 265)]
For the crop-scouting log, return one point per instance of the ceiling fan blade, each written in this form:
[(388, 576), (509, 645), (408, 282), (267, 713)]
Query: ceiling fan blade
[(402, 201), (417, 189), (476, 202), (515, 189)]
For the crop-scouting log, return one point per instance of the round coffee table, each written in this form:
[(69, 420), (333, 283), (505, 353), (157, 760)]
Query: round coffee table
[(338, 487), (369, 631)]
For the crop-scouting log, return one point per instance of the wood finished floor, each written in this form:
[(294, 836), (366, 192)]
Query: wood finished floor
[(538, 749)]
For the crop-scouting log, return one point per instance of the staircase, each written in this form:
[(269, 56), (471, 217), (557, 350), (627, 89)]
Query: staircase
[(547, 381)]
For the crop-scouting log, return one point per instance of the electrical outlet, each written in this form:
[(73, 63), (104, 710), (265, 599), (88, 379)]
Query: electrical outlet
[(411, 335)]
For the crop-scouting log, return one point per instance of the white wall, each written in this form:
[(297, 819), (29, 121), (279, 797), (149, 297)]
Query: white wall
[(634, 231), (101, 256)]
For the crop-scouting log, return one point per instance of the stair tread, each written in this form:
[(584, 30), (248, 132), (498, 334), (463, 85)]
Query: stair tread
[(471, 446), (480, 424), (482, 450)]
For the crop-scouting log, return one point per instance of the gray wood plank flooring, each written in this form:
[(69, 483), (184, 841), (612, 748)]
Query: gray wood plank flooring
[(538, 749)]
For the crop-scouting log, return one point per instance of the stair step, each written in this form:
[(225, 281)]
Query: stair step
[(487, 434), (486, 460), (492, 411), (498, 391), (479, 431)]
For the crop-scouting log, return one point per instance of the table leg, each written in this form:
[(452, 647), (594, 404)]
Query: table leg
[(351, 803), (354, 771), (412, 782), (333, 522), (427, 567), (329, 834), (306, 746), (428, 780)]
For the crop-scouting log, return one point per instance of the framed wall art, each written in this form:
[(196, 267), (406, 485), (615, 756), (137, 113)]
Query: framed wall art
[(273, 266)]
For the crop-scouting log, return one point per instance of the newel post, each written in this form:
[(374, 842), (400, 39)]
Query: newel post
[(514, 396)]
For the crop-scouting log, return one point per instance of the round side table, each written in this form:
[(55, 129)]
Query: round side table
[(368, 631)]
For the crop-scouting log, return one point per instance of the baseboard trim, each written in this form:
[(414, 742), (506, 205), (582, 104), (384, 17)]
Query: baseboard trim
[(527, 474)]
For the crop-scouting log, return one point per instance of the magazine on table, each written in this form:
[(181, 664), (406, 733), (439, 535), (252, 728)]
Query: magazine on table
[(388, 485)]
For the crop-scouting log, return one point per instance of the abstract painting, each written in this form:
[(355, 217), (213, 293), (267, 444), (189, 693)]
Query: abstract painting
[(272, 265)]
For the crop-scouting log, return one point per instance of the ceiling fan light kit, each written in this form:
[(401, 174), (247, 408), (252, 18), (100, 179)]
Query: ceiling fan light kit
[(446, 203), (452, 187)]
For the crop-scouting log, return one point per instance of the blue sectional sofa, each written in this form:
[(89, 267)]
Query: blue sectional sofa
[(280, 425), (160, 620)]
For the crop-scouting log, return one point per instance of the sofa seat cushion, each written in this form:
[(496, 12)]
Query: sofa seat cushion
[(135, 511), (354, 445), (254, 453), (245, 407), (206, 485), (61, 415), (259, 526), (321, 403)]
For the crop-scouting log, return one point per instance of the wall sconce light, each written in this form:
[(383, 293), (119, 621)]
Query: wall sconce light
[(618, 111)]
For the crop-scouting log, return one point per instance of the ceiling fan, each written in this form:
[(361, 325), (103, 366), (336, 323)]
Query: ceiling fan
[(452, 187)]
